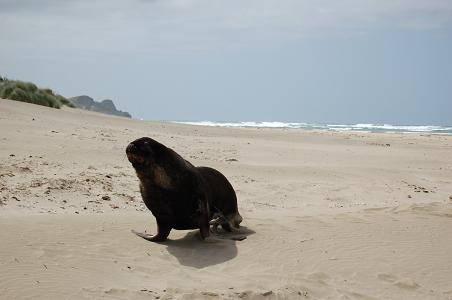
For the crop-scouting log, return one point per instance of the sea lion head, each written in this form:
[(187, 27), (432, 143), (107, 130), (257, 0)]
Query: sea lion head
[(147, 157), (144, 152)]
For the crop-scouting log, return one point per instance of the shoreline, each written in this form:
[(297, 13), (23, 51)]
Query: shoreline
[(367, 128)]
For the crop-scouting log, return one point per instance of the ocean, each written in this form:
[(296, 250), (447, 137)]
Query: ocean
[(331, 127)]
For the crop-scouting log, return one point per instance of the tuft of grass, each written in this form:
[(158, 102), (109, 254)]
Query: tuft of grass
[(65, 101), (29, 92)]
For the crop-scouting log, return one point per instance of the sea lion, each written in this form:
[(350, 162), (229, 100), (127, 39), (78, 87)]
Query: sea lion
[(180, 195)]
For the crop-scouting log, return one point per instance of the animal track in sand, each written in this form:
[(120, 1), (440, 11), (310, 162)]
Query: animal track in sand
[(434, 209), (387, 277), (407, 284), (404, 283)]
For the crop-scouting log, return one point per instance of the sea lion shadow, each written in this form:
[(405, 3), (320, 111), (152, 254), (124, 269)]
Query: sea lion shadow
[(192, 251)]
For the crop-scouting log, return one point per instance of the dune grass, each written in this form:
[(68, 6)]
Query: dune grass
[(29, 92)]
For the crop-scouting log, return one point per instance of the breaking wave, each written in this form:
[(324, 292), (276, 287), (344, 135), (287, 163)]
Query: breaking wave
[(331, 127)]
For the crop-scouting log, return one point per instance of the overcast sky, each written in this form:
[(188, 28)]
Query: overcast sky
[(325, 61)]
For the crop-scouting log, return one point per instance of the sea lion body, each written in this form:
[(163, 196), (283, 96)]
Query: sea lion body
[(180, 195), (222, 199)]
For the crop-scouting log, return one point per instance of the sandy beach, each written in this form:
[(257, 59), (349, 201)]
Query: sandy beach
[(329, 215)]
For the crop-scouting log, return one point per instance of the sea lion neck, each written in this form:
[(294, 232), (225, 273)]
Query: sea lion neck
[(155, 176)]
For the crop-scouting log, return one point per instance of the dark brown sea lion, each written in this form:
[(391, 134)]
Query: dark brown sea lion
[(180, 195)]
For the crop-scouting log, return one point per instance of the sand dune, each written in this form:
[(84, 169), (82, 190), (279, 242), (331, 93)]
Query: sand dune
[(327, 215)]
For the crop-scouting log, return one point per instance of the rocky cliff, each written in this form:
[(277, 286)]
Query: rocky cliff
[(106, 106)]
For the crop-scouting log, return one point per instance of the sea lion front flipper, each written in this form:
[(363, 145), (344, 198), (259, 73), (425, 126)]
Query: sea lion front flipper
[(143, 235), (159, 237)]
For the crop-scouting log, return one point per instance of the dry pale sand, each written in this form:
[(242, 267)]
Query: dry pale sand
[(329, 215)]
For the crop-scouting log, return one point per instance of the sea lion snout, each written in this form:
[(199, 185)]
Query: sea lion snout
[(135, 154), (130, 148)]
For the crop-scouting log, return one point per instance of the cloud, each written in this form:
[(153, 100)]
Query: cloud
[(147, 26), (17, 6)]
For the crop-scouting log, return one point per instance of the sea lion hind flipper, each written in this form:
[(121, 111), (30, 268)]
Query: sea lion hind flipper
[(238, 237), (227, 236), (230, 223), (215, 221)]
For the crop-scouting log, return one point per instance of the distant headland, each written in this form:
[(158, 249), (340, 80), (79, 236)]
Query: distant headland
[(106, 106)]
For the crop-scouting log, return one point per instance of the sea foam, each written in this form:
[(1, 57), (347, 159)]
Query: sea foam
[(330, 127)]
